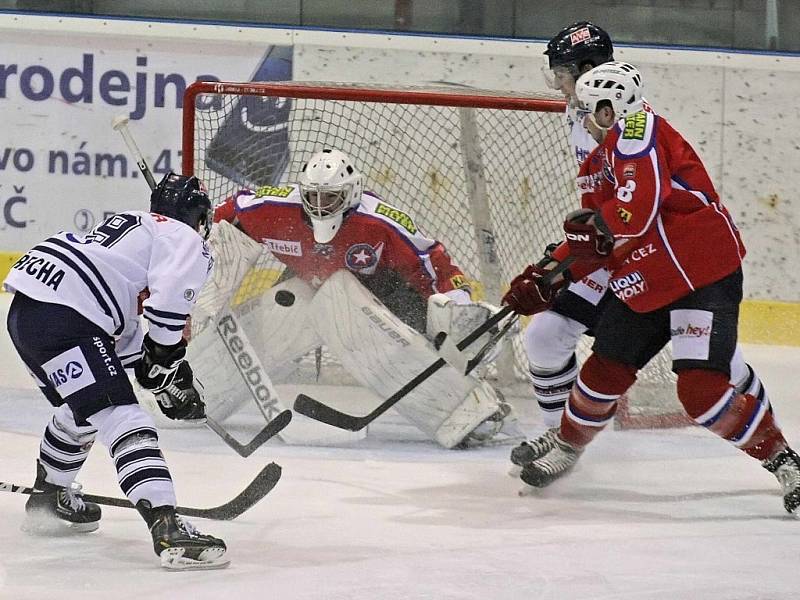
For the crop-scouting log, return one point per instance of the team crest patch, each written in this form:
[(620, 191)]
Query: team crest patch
[(629, 170), (577, 37), (363, 258), (624, 215)]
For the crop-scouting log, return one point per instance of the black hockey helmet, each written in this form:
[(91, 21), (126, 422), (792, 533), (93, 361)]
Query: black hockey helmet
[(580, 43), (181, 197)]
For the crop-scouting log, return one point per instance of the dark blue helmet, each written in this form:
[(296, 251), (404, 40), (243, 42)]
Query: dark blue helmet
[(181, 197), (580, 43)]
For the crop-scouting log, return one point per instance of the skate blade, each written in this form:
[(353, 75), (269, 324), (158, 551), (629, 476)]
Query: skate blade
[(54, 527), (173, 559)]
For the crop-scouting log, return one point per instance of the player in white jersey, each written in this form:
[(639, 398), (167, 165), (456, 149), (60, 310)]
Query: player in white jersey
[(75, 323), (552, 336)]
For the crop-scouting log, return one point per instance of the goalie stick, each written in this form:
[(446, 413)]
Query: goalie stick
[(314, 409), (249, 497)]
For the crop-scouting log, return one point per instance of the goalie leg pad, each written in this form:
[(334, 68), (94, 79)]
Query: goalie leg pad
[(239, 356), (131, 438), (383, 354)]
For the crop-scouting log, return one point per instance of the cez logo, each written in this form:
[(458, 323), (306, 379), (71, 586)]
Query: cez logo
[(72, 370)]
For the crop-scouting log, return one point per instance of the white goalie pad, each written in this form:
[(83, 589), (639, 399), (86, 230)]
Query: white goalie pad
[(384, 354)]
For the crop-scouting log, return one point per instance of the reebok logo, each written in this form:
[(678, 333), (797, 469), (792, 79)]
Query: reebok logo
[(249, 367)]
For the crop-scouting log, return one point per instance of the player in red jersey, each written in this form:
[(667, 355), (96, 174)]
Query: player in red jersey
[(653, 217), (343, 248)]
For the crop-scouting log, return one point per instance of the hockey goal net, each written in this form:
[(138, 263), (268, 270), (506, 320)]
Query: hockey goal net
[(489, 174)]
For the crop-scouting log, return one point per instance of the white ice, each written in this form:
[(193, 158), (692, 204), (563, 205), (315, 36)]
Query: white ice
[(646, 515)]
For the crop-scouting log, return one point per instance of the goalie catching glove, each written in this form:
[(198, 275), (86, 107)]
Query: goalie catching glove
[(163, 371)]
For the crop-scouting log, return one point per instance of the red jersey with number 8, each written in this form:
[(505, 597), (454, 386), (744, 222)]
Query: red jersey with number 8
[(673, 235)]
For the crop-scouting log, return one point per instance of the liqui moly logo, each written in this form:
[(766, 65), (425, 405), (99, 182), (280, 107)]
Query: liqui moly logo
[(628, 285)]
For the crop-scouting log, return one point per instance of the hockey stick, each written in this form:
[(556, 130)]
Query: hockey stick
[(249, 497), (314, 409), (120, 123), (244, 450)]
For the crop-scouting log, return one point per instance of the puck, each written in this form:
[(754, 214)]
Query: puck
[(284, 297)]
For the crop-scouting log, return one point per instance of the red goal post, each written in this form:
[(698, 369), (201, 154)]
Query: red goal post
[(488, 173)]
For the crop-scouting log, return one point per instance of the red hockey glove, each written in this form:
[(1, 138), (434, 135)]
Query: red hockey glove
[(588, 237), (529, 293)]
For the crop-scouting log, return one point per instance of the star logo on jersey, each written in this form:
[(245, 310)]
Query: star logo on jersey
[(363, 258)]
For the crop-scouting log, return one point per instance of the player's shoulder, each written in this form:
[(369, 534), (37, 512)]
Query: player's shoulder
[(374, 207), (265, 195), (635, 134)]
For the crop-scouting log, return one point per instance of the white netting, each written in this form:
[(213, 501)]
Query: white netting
[(491, 184)]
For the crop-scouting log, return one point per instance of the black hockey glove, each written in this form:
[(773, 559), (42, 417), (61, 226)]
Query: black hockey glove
[(183, 398), (158, 365)]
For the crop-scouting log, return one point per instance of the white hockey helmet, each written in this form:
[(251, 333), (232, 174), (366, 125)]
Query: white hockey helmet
[(329, 187), (617, 82)]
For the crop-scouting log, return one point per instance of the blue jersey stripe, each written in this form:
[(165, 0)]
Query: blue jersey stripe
[(97, 274), (80, 272)]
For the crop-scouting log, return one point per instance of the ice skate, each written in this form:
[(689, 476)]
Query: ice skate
[(178, 543), (54, 509), (785, 465), (531, 450), (556, 463)]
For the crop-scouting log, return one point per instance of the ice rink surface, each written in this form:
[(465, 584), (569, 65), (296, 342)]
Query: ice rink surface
[(646, 515)]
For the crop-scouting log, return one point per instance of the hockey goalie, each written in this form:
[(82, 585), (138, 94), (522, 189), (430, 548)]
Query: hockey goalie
[(360, 279)]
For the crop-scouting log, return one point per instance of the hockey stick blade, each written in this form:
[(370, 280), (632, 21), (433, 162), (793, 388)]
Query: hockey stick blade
[(274, 427), (314, 409), (262, 485)]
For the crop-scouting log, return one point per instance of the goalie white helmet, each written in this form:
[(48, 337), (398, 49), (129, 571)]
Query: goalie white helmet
[(329, 185), (616, 82)]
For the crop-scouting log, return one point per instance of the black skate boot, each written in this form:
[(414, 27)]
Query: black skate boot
[(176, 541), (54, 509), (529, 451), (785, 465), (556, 463)]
